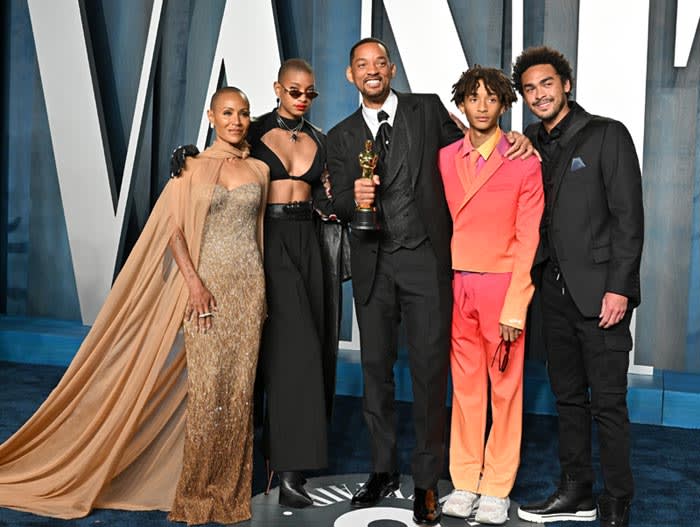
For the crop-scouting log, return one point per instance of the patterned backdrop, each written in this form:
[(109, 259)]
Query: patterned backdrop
[(37, 266)]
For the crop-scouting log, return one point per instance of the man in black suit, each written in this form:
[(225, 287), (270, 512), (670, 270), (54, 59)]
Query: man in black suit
[(589, 256), (403, 271)]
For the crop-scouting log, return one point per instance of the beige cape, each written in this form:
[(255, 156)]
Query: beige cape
[(111, 434)]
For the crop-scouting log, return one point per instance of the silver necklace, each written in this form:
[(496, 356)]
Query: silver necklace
[(294, 132)]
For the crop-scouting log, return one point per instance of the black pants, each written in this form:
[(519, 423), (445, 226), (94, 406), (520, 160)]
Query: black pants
[(291, 348), (408, 286), (582, 357)]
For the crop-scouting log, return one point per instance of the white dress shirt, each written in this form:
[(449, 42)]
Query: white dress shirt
[(370, 115)]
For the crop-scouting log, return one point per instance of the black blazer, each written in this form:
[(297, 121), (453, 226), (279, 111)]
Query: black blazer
[(595, 209), (421, 127)]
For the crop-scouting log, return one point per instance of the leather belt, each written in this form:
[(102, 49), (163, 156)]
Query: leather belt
[(293, 211)]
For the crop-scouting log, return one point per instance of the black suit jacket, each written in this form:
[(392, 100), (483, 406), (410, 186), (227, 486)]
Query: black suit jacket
[(421, 127), (596, 215)]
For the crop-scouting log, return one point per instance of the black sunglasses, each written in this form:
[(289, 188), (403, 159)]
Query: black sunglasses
[(502, 357), (295, 93)]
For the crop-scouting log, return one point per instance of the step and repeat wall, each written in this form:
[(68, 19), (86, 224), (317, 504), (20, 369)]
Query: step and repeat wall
[(97, 93)]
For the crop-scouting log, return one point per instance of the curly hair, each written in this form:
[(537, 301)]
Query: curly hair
[(495, 82), (541, 55)]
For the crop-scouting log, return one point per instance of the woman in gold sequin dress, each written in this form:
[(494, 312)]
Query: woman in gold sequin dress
[(140, 421), (223, 323)]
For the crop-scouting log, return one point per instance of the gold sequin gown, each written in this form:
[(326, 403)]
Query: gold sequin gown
[(215, 483)]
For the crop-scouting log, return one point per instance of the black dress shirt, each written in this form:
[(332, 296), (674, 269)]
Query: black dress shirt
[(549, 149)]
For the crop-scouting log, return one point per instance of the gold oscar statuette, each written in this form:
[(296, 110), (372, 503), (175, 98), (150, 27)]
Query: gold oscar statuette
[(366, 213)]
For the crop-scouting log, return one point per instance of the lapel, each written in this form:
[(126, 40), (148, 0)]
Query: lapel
[(569, 141), (461, 167), (401, 138), (357, 133), (473, 184)]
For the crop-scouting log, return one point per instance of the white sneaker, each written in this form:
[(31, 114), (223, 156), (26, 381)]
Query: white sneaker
[(492, 510), (460, 503)]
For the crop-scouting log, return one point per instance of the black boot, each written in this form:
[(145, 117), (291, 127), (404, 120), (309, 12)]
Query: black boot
[(614, 512), (573, 500), (426, 507), (292, 491)]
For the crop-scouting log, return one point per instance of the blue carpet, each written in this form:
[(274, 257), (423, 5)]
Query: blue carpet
[(665, 459)]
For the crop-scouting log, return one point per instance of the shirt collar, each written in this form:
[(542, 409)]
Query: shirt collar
[(370, 114), (486, 148), (556, 132)]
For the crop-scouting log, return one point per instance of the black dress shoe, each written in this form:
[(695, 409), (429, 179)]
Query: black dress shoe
[(572, 501), (378, 486), (426, 508), (292, 491), (614, 512)]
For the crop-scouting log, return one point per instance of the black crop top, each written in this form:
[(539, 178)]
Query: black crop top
[(264, 153)]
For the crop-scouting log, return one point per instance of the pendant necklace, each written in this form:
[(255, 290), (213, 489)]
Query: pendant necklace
[(294, 132)]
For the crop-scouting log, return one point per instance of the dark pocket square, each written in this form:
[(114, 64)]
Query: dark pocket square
[(577, 164)]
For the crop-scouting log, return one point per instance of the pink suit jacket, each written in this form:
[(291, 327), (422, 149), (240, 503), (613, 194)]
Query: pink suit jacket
[(496, 217)]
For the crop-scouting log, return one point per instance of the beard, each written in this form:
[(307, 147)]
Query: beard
[(554, 111)]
